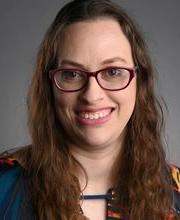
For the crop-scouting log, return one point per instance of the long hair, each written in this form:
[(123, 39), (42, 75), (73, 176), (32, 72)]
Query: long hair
[(140, 184)]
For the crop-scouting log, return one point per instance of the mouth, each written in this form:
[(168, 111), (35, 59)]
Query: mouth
[(94, 117)]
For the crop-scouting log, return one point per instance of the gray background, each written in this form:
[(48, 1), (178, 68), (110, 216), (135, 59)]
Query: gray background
[(22, 26)]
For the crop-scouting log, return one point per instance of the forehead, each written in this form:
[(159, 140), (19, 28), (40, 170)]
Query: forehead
[(94, 41)]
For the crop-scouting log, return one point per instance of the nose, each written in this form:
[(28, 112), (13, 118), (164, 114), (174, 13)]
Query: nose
[(92, 93)]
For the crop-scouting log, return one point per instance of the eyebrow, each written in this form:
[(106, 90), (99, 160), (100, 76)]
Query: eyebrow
[(114, 59), (107, 61)]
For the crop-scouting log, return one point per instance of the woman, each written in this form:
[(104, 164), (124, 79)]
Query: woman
[(95, 124)]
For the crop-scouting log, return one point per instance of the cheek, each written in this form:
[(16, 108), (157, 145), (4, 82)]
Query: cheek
[(62, 106), (60, 98), (127, 97), (64, 102), (126, 101)]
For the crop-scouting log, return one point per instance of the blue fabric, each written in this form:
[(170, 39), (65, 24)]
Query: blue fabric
[(12, 192), (13, 183)]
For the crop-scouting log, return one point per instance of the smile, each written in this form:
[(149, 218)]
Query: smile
[(94, 117)]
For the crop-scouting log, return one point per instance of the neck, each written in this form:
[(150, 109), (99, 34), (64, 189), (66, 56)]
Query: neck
[(99, 165)]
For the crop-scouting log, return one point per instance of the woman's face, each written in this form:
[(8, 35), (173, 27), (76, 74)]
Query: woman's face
[(93, 117)]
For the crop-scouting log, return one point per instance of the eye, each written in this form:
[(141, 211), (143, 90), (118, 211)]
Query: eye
[(70, 75), (114, 72)]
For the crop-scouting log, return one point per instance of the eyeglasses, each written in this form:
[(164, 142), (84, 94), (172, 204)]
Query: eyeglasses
[(111, 78)]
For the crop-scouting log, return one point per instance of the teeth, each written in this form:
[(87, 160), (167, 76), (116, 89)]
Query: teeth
[(86, 115), (101, 114), (94, 115), (91, 116)]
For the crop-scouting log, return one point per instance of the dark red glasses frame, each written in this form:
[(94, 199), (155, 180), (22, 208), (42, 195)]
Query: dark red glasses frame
[(132, 72)]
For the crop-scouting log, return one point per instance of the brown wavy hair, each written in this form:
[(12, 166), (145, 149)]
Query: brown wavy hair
[(140, 185)]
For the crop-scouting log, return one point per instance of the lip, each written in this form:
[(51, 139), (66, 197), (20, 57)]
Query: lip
[(91, 122)]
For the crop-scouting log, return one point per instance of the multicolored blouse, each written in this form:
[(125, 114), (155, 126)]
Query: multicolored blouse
[(12, 193)]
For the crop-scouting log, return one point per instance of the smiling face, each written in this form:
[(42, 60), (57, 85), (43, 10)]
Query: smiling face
[(92, 117)]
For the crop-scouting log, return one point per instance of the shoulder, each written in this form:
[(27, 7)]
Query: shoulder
[(10, 171), (174, 172), (11, 186), (175, 175)]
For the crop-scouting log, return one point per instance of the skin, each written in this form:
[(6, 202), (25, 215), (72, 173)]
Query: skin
[(90, 46)]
